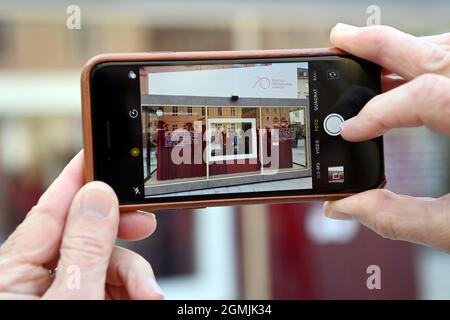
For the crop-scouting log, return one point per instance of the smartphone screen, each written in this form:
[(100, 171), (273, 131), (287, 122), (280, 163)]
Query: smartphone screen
[(194, 130)]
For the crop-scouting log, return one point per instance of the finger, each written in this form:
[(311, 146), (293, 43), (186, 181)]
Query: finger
[(422, 101), (15, 296), (402, 53), (440, 39), (419, 220), (129, 275), (37, 238), (133, 226), (136, 225), (391, 81), (88, 240)]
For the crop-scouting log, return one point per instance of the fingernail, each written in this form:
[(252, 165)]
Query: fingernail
[(344, 28), (96, 203), (347, 122), (333, 214), (146, 213), (154, 287), (336, 215)]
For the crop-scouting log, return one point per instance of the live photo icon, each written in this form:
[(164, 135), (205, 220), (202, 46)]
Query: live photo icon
[(131, 75)]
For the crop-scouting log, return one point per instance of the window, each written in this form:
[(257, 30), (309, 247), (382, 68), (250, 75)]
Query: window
[(203, 111), (248, 139), (189, 111), (174, 127), (233, 112), (219, 112), (174, 111)]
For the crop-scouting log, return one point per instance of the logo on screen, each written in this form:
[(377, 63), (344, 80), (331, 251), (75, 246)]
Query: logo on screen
[(263, 83)]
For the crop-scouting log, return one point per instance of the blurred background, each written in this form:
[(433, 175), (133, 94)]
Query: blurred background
[(253, 252)]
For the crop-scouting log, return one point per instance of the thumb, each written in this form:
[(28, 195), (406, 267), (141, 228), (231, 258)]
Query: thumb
[(419, 220), (87, 243)]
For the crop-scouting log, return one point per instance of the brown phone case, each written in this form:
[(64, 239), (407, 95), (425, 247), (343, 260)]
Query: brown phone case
[(185, 56)]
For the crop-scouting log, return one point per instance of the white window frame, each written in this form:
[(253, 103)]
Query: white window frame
[(252, 155), (215, 275)]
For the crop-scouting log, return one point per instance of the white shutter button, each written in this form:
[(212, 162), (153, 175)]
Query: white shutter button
[(332, 124)]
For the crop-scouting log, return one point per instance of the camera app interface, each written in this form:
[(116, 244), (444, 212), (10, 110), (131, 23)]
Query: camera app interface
[(225, 128)]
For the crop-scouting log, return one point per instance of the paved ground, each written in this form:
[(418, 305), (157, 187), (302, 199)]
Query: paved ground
[(292, 184)]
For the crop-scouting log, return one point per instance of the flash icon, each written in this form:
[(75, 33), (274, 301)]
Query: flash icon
[(135, 152)]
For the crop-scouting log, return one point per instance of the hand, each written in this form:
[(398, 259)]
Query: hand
[(74, 228), (416, 81)]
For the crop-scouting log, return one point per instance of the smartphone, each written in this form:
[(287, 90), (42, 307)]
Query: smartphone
[(196, 129)]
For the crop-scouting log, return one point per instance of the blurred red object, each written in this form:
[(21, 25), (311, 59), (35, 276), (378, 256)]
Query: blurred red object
[(304, 269)]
